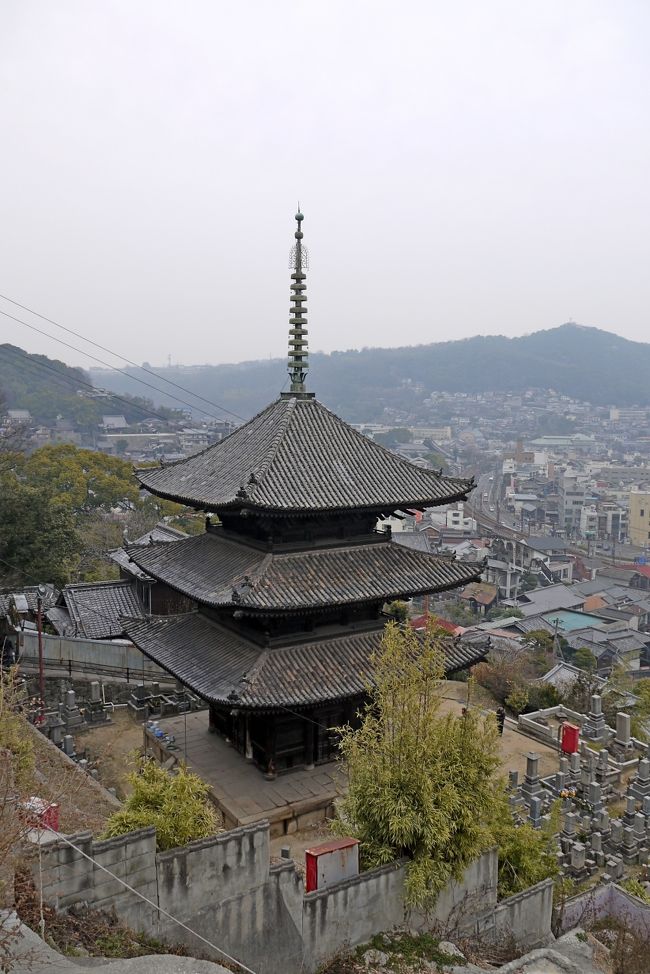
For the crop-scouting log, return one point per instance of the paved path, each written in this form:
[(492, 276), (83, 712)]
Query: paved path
[(514, 745), (245, 796), (242, 791)]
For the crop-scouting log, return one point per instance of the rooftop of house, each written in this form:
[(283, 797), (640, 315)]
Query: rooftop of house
[(546, 543), (564, 674), (481, 592), (25, 599), (94, 609), (114, 422), (567, 620), (540, 600), (416, 541), (161, 532), (595, 586)]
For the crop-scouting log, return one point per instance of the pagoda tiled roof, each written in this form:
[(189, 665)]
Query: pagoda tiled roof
[(161, 533), (219, 571), (297, 456), (222, 667)]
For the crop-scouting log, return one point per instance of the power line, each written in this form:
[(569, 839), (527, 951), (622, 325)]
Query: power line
[(107, 364), (148, 413), (142, 368), (156, 906)]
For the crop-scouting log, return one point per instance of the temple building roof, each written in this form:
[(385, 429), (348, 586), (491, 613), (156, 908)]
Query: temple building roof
[(94, 610), (297, 456), (223, 667), (218, 571), (161, 532)]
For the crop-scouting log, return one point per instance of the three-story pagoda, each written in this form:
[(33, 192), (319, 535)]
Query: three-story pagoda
[(273, 614)]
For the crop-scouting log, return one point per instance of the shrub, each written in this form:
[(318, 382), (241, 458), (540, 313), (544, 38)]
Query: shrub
[(176, 804)]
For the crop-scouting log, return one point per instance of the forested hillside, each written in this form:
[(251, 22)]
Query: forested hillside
[(585, 363), (49, 388)]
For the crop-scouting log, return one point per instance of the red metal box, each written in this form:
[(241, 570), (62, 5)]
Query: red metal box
[(330, 863), (570, 738)]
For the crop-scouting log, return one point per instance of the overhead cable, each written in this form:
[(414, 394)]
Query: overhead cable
[(107, 364), (104, 348), (156, 906), (81, 382)]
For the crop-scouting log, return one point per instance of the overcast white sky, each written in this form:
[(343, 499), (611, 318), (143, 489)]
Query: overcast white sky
[(468, 167)]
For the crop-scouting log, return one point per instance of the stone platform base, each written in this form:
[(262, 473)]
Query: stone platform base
[(292, 801)]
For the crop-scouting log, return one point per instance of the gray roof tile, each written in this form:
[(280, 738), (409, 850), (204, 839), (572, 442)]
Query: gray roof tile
[(296, 455), (215, 662), (219, 571), (96, 608), (160, 533), (30, 592)]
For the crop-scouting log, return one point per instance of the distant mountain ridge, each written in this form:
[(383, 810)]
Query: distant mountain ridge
[(578, 361)]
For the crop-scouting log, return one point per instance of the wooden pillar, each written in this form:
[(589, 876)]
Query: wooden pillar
[(248, 746), (212, 724), (308, 738), (270, 770)]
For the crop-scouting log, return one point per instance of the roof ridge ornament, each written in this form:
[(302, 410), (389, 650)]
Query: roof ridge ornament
[(298, 356)]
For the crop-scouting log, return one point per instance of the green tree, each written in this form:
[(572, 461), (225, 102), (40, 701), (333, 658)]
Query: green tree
[(393, 437), (541, 645), (398, 610), (16, 778), (526, 855), (517, 699), (81, 480), (636, 888), (456, 612), (539, 641), (584, 659), (176, 804), (542, 695), (529, 581), (420, 782), (38, 537)]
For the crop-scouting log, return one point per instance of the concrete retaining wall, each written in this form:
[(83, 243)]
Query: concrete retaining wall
[(603, 901), (525, 917), (351, 913), (95, 655), (225, 889)]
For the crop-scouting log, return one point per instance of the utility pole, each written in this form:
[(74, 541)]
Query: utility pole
[(41, 660)]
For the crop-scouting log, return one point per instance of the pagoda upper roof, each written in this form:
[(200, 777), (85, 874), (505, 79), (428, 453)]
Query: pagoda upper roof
[(223, 667), (219, 571), (298, 457)]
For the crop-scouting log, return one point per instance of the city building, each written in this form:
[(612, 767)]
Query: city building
[(639, 518)]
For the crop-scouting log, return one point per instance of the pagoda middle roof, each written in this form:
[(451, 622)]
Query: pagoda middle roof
[(297, 456), (219, 571)]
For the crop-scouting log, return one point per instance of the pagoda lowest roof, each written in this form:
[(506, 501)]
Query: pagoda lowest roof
[(296, 456), (224, 667)]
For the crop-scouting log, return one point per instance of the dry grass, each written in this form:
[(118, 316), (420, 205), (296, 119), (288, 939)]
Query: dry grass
[(83, 805), (110, 748)]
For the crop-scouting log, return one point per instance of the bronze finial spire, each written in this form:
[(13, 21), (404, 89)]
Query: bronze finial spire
[(298, 362)]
